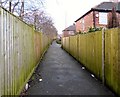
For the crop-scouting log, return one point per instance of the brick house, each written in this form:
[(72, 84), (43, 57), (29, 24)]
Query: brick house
[(69, 31), (97, 16)]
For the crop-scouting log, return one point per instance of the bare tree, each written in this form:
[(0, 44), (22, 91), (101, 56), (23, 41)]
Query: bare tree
[(10, 5), (19, 5), (32, 14), (41, 22)]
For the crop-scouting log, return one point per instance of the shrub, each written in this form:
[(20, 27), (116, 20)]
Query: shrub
[(93, 29)]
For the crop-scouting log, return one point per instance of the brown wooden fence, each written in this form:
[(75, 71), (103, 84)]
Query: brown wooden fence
[(87, 48), (20, 50)]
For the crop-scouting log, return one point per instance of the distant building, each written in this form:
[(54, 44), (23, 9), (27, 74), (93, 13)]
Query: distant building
[(97, 16), (69, 31)]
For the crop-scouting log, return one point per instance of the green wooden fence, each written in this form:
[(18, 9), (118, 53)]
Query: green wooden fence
[(20, 51), (87, 48)]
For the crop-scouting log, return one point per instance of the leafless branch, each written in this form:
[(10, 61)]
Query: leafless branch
[(15, 6)]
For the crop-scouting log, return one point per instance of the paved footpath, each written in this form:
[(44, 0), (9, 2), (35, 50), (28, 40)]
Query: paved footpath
[(61, 74)]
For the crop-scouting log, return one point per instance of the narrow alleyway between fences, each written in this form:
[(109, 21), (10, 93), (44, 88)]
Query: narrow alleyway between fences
[(60, 74)]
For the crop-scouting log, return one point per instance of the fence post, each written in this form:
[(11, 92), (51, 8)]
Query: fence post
[(103, 55)]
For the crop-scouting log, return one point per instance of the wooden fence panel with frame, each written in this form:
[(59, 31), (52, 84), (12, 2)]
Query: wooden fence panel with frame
[(20, 50), (89, 51)]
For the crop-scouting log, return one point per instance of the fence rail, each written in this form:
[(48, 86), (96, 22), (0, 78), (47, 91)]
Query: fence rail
[(20, 50), (87, 48)]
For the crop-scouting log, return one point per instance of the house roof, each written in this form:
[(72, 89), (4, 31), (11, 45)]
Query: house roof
[(70, 28), (108, 6), (103, 7)]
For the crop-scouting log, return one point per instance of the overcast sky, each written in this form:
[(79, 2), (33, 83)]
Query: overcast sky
[(65, 12)]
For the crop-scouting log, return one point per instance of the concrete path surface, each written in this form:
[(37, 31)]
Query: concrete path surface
[(60, 74)]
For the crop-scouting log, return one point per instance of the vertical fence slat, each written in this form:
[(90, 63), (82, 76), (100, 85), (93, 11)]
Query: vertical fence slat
[(118, 67), (103, 55), (1, 53)]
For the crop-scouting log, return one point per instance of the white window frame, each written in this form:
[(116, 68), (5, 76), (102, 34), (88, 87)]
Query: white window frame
[(103, 18)]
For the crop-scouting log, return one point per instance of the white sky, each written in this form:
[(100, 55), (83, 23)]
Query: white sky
[(65, 12)]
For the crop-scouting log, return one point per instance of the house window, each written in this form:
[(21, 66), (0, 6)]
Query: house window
[(103, 18), (71, 32)]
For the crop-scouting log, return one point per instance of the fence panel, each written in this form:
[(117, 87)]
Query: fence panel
[(20, 50), (63, 42), (73, 46), (118, 68), (67, 44), (89, 52), (112, 77), (38, 45)]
